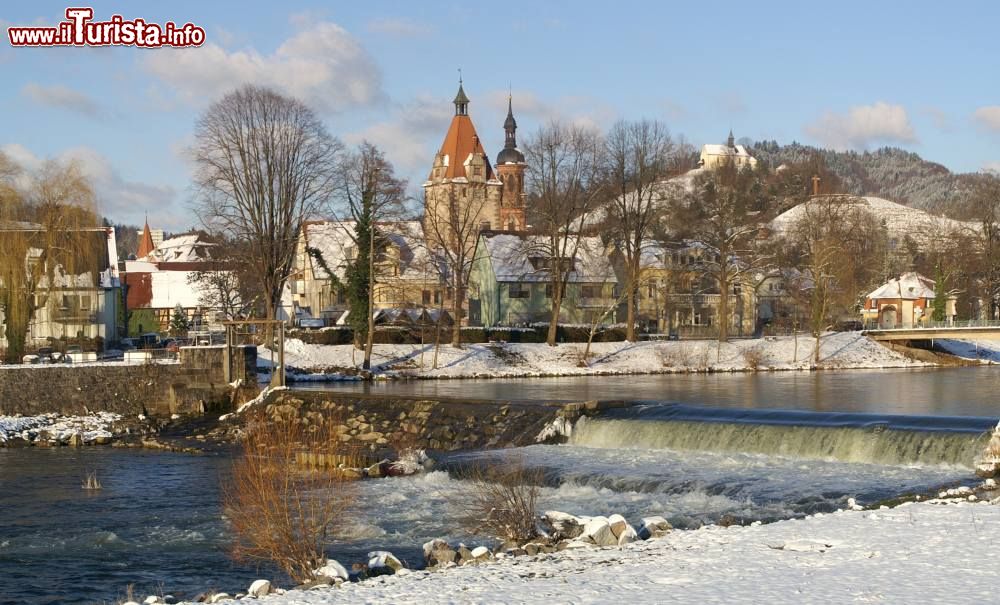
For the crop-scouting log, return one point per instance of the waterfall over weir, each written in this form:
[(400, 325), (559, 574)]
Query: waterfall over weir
[(861, 438)]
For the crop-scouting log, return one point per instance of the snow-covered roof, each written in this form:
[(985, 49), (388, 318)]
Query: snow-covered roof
[(737, 151), (908, 286), (182, 249), (171, 288), (899, 220), (334, 240), (512, 259)]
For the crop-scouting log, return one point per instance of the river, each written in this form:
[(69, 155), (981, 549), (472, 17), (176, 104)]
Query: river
[(706, 447)]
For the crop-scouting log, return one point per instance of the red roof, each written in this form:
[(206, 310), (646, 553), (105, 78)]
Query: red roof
[(461, 141), (145, 243)]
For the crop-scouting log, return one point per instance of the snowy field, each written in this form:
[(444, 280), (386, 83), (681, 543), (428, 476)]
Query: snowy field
[(842, 350), (986, 351), (915, 553)]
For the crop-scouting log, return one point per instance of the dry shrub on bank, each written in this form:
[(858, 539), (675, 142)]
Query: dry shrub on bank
[(281, 512), (753, 357), (503, 498)]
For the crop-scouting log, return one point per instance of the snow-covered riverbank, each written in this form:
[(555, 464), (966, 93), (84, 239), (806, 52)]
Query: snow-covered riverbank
[(921, 552), (844, 350), (95, 428)]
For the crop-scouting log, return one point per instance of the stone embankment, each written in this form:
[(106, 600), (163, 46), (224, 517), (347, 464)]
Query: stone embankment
[(377, 422)]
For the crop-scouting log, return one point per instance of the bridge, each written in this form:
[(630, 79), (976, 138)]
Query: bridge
[(975, 329)]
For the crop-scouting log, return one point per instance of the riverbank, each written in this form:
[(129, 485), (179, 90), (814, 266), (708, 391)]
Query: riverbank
[(838, 350), (917, 552)]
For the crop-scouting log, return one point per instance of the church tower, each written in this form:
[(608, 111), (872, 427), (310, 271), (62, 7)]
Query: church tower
[(462, 187), (510, 169)]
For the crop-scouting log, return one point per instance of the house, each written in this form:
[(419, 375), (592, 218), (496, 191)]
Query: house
[(76, 305), (903, 302), (509, 283), (164, 276), (407, 274), (678, 295), (713, 156)]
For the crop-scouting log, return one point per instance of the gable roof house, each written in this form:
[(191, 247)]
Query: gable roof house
[(509, 282), (408, 275), (903, 302)]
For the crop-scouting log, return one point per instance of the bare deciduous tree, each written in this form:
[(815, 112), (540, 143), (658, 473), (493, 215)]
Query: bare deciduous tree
[(984, 208), (639, 158), (565, 185), (264, 164)]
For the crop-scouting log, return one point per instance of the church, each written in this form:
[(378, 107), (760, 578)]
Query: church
[(464, 190)]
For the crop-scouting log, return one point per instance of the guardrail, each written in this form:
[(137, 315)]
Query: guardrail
[(936, 325)]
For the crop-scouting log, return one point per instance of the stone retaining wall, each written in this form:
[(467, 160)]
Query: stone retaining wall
[(192, 385), (376, 422)]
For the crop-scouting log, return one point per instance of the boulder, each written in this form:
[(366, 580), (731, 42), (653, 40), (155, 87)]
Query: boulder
[(219, 597), (333, 571), (152, 600), (598, 531), (627, 536), (437, 553), (481, 553), (464, 555), (382, 563), (618, 524), (653, 527), (562, 526), (260, 588), (312, 584)]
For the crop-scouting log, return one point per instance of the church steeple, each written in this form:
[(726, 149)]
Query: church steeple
[(461, 101), (510, 154), (731, 141)]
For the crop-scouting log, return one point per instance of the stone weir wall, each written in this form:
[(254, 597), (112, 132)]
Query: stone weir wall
[(380, 422), (192, 385)]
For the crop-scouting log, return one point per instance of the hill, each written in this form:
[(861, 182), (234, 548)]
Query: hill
[(889, 172)]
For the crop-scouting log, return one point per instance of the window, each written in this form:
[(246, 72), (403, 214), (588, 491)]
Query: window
[(85, 302), (437, 297), (425, 297), (484, 226), (651, 290), (589, 291), (548, 290), (518, 290)]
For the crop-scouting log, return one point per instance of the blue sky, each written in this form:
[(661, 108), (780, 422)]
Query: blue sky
[(850, 75)]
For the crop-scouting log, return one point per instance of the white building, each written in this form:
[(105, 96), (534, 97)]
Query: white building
[(712, 156)]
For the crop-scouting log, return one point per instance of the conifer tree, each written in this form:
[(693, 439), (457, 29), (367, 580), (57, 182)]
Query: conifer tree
[(179, 324)]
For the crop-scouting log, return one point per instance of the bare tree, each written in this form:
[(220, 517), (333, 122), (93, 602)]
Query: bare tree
[(226, 283), (565, 185), (451, 228), (831, 244), (367, 193), (264, 164), (720, 215), (984, 208), (47, 246), (639, 158)]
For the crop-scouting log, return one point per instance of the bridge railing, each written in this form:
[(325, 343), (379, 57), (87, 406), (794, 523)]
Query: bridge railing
[(931, 325)]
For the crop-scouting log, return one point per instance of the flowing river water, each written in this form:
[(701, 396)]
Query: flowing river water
[(698, 449)]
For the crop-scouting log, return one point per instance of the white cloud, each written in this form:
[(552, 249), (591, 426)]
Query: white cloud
[(322, 64), (863, 126), (411, 136), (988, 117), (118, 199), (398, 27), (62, 97), (992, 167)]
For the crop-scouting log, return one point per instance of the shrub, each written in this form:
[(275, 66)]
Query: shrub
[(753, 357), (280, 512), (503, 499)]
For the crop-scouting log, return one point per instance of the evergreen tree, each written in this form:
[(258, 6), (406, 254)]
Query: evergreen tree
[(358, 277), (940, 295), (179, 324)]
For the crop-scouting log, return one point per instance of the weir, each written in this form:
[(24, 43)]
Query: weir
[(857, 438)]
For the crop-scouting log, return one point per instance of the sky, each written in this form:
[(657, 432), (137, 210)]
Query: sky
[(846, 75)]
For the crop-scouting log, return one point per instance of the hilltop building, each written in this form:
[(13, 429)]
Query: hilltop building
[(712, 156)]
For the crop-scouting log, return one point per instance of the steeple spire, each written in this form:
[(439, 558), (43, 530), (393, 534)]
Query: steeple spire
[(731, 141), (509, 154), (461, 101)]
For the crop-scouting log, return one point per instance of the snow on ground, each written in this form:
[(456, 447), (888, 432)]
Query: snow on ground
[(58, 427), (915, 553), (986, 351), (839, 350)]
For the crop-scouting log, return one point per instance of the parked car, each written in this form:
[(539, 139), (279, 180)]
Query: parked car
[(150, 340), (171, 344), (46, 355)]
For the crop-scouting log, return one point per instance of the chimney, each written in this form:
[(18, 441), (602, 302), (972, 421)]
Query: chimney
[(816, 181)]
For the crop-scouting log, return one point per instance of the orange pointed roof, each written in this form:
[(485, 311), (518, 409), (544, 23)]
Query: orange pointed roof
[(461, 141), (145, 242)]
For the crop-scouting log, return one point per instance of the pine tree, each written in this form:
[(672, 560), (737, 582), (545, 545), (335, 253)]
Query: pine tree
[(357, 281), (179, 324)]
